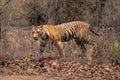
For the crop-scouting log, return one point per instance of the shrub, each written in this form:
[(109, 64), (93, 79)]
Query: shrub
[(115, 55)]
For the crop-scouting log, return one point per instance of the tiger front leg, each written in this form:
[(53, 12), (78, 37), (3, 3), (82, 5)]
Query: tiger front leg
[(41, 50), (59, 48)]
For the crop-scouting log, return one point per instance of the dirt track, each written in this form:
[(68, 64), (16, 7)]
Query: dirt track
[(16, 77), (52, 69)]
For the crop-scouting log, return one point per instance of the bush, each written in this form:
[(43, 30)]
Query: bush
[(98, 56), (115, 56)]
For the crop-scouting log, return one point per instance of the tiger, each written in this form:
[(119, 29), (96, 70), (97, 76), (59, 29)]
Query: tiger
[(79, 31)]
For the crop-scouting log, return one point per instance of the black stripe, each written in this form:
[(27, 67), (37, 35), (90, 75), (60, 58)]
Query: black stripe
[(44, 36), (42, 44), (42, 50), (94, 32)]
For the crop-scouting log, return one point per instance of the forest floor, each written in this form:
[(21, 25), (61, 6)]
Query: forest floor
[(53, 69)]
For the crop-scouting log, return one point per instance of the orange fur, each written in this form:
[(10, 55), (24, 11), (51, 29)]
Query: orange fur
[(79, 29)]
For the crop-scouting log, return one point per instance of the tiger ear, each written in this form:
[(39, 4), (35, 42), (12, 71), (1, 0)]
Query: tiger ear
[(41, 26)]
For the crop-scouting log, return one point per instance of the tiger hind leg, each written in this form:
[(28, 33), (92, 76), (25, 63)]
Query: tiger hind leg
[(82, 47), (89, 53), (90, 50)]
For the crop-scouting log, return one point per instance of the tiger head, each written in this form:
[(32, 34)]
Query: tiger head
[(37, 31)]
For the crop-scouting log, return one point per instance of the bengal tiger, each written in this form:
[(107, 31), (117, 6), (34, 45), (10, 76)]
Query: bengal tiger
[(78, 31)]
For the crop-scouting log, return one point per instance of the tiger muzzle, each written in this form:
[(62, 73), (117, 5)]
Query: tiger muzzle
[(35, 38)]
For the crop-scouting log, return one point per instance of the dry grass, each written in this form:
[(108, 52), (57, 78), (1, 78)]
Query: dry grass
[(18, 42)]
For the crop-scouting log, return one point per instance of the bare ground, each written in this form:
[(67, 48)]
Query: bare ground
[(18, 77), (54, 69)]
